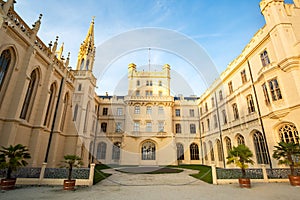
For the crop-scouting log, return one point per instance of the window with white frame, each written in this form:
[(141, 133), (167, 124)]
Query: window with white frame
[(136, 126), (118, 127), (148, 126), (250, 103), (161, 126), (137, 110), (177, 128), (149, 110), (192, 113), (119, 111), (192, 128), (243, 76), (160, 110), (235, 111), (177, 112)]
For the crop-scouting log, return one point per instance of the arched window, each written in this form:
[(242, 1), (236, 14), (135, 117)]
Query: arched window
[(75, 112), (86, 117), (289, 133), (116, 151), (5, 60), (101, 151), (205, 151), (30, 94), (260, 148), (220, 152), (240, 139), (148, 151), (194, 151), (65, 108), (212, 153), (228, 144), (180, 151), (50, 104), (82, 64)]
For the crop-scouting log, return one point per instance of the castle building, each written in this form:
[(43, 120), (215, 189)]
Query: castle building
[(54, 109)]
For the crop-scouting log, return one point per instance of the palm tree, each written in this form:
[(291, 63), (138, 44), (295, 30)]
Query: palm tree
[(71, 161), (287, 153), (13, 157), (241, 156)]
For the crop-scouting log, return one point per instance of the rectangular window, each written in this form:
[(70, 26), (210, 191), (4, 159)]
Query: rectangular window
[(137, 110), (215, 121), (201, 112), (208, 124), (264, 57), (148, 126), (159, 83), (105, 111), (103, 127), (212, 102), (177, 128), (138, 83), (148, 83), (119, 111), (177, 112), (265, 90), (160, 110), (243, 76), (137, 93), (202, 127), (192, 113), (192, 128), (275, 90), (206, 107), (160, 93), (161, 126), (149, 110), (230, 87), (79, 87), (118, 127), (149, 93), (136, 126)]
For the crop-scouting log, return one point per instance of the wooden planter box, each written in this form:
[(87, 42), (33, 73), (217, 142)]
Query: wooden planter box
[(245, 182), (294, 180), (69, 184), (8, 184)]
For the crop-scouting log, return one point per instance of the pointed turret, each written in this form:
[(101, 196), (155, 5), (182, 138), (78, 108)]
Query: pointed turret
[(87, 51)]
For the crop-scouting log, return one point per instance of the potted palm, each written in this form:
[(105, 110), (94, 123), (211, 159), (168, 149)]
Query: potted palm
[(71, 161), (11, 158), (289, 154), (241, 156)]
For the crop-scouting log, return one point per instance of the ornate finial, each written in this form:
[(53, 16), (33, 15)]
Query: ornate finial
[(36, 25), (50, 45), (60, 51), (7, 5), (68, 60), (55, 45)]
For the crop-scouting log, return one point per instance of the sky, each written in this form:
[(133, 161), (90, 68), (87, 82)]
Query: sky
[(221, 28)]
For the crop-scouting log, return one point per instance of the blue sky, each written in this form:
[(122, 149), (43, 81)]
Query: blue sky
[(221, 27)]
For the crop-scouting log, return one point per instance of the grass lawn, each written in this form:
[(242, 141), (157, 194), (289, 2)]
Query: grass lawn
[(99, 175), (204, 172)]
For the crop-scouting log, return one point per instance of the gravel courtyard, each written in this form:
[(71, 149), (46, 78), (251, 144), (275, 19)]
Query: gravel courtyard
[(181, 186)]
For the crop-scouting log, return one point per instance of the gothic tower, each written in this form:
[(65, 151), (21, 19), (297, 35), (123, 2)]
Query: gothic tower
[(87, 51)]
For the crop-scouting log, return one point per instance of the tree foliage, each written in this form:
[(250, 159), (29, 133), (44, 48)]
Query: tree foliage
[(13, 157), (241, 157), (71, 161), (287, 154)]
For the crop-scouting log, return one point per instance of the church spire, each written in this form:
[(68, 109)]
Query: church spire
[(87, 50)]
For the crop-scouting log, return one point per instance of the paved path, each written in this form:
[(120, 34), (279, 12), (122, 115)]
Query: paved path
[(123, 186)]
